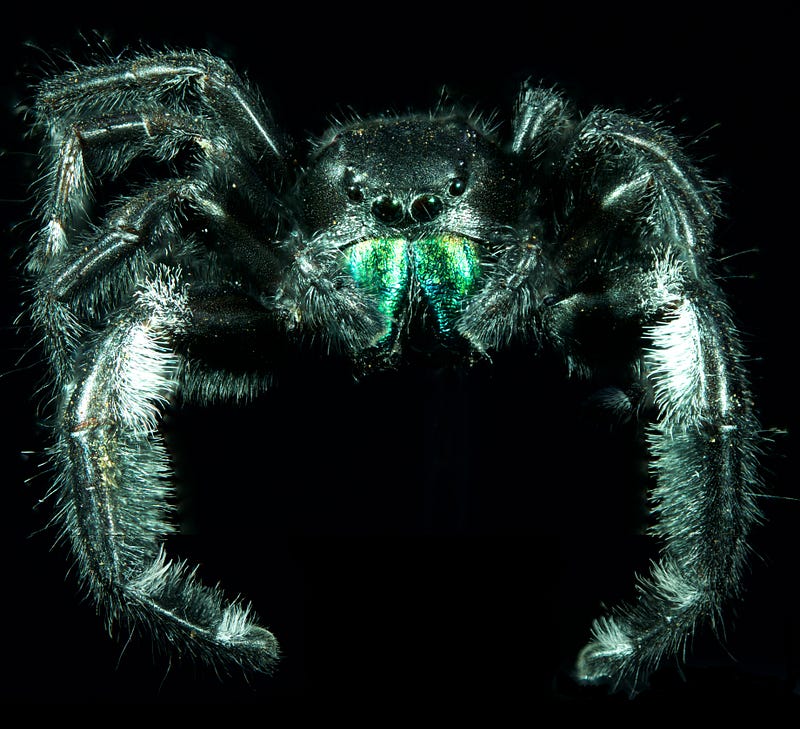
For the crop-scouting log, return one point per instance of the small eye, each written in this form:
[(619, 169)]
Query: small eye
[(458, 186), (355, 193)]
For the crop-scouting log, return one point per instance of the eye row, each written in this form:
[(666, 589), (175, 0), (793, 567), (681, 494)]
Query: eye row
[(456, 187)]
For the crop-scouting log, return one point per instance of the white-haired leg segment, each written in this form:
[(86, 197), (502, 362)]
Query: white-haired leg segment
[(704, 462), (114, 491), (84, 282)]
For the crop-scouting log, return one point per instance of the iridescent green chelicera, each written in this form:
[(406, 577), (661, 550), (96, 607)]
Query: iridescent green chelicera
[(446, 268)]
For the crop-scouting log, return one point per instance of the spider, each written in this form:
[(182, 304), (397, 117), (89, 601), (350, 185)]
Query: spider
[(402, 239)]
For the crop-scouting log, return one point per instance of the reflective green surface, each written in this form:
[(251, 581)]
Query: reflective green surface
[(446, 269)]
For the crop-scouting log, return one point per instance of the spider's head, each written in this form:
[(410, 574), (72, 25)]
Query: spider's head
[(410, 177), (418, 206)]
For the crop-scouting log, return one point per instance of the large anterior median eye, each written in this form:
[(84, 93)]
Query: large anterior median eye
[(426, 207), (387, 210)]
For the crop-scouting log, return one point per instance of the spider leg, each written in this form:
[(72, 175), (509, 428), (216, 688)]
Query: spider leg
[(648, 274), (519, 285), (505, 309), (113, 490), (141, 229), (163, 298), (107, 145), (704, 449), (541, 120), (178, 82)]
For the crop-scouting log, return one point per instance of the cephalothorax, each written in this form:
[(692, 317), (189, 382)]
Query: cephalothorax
[(403, 235)]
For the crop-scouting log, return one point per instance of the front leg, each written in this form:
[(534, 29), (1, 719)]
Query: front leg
[(636, 226), (704, 446), (114, 491)]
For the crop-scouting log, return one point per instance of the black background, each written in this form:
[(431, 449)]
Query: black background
[(427, 535)]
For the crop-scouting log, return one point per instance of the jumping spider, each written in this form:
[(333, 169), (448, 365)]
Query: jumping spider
[(402, 234)]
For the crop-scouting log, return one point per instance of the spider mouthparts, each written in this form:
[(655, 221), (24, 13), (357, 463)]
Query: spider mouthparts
[(440, 272)]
